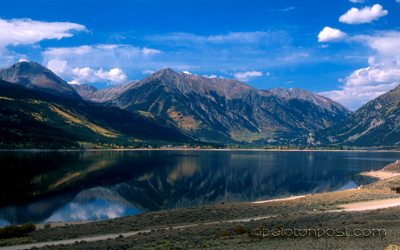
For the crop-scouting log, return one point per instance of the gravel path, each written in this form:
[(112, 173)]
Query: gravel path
[(113, 236), (371, 205)]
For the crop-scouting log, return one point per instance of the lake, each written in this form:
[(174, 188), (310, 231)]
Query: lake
[(74, 186)]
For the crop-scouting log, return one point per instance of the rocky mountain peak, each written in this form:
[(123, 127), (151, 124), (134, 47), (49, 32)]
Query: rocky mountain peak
[(35, 76)]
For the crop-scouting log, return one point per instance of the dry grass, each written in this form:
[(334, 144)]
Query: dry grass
[(75, 119), (224, 234), (6, 98)]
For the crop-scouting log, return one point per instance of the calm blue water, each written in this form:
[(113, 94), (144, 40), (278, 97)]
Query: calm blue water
[(75, 186)]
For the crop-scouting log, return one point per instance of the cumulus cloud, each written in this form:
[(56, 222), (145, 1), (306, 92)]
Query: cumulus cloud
[(245, 76), (381, 75), (365, 15), (103, 55), (26, 31), (387, 43), (329, 34), (86, 74), (58, 67)]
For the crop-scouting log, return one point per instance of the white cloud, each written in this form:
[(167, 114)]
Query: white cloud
[(329, 34), (26, 31), (186, 72), (87, 75), (303, 54), (86, 63), (358, 1), (365, 15), (147, 51), (58, 67), (398, 1), (387, 43), (22, 60), (147, 72), (382, 74), (81, 50), (268, 74), (245, 76), (104, 55), (211, 76), (101, 48)]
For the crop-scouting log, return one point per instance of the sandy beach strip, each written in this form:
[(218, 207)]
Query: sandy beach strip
[(380, 174), (282, 199)]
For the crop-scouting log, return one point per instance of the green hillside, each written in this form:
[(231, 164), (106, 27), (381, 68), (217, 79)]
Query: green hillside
[(34, 119)]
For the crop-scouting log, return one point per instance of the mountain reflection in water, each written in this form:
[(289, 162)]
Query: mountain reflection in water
[(64, 186)]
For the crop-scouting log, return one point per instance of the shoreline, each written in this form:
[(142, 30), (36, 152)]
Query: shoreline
[(281, 199), (196, 149)]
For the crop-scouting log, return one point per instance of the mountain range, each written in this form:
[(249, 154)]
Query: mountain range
[(190, 107), (222, 110), (376, 123)]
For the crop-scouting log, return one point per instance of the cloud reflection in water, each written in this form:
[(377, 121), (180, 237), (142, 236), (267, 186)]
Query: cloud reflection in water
[(96, 210)]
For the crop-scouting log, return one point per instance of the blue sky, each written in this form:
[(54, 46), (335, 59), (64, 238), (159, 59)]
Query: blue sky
[(346, 50)]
